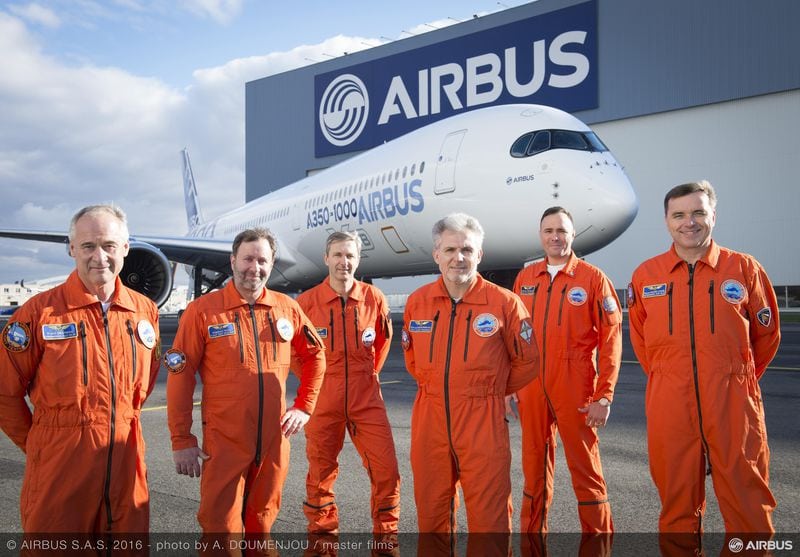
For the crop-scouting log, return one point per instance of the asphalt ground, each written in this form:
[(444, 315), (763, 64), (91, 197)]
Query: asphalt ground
[(174, 498)]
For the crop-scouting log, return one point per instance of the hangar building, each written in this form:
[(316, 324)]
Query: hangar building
[(679, 91)]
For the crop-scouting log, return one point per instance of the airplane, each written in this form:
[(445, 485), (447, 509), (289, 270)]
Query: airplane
[(503, 165)]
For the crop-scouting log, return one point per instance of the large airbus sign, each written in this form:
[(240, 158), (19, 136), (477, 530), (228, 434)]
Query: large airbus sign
[(547, 59)]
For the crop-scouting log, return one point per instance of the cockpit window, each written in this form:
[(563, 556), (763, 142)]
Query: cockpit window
[(533, 143)]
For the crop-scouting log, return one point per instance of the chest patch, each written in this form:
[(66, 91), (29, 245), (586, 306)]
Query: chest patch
[(285, 328), (147, 334), (59, 331), (420, 326), (577, 296), (654, 290), (485, 325), (16, 337), (221, 330), (322, 332), (368, 337), (527, 290), (733, 291)]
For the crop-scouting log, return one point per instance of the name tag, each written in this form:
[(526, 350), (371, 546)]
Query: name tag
[(420, 326), (59, 331), (654, 290), (221, 330)]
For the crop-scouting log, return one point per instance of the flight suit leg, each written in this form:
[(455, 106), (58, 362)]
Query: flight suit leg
[(265, 486), (324, 441), (371, 434), (538, 457), (675, 451)]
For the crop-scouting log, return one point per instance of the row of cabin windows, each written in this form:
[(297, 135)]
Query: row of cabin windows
[(364, 185), (261, 221)]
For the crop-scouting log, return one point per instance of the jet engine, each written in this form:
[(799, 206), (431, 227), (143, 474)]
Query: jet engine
[(147, 271)]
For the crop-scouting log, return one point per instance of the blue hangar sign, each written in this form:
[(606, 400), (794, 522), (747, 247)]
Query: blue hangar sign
[(547, 59)]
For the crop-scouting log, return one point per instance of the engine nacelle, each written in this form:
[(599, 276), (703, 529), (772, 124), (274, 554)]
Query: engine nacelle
[(147, 271)]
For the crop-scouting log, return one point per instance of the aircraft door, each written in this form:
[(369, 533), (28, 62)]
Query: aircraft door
[(446, 163)]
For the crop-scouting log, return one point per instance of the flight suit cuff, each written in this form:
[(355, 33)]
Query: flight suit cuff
[(187, 442)]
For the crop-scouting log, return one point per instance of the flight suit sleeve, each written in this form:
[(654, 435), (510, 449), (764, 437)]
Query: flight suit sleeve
[(636, 318), (383, 332), (309, 353), (765, 330), (521, 345), (609, 330), (18, 364), (182, 361)]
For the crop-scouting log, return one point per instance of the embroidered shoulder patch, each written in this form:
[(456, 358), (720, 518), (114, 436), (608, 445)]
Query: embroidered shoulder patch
[(16, 337)]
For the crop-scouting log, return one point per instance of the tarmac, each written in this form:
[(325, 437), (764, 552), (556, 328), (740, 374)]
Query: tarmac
[(635, 505)]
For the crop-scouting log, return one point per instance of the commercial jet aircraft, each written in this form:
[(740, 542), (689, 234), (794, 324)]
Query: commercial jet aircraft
[(502, 164)]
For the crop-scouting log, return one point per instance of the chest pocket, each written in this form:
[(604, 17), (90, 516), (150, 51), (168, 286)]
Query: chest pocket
[(64, 370)]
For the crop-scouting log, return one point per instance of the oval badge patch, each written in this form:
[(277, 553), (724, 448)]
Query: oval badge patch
[(577, 296), (16, 337), (733, 291), (485, 325)]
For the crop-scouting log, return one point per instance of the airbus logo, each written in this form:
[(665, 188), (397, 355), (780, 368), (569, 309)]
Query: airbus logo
[(343, 110)]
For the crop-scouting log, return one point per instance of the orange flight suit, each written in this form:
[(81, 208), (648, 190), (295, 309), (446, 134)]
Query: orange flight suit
[(87, 375), (578, 322), (465, 356), (704, 336), (356, 333), (242, 354)]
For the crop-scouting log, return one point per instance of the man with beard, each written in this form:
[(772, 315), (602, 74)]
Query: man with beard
[(240, 339)]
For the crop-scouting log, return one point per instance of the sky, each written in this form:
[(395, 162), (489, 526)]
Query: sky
[(98, 97)]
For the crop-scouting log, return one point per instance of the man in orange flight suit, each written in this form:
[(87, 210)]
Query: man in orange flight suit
[(352, 318), (577, 320), (468, 343), (704, 325), (240, 339), (86, 353)]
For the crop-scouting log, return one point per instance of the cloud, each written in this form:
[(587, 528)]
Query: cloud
[(36, 13), (78, 135), (221, 11)]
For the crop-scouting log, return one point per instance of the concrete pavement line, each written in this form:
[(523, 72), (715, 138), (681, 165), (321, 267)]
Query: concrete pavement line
[(165, 407)]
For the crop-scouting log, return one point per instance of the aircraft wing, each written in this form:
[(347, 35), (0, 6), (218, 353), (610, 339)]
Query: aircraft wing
[(207, 253)]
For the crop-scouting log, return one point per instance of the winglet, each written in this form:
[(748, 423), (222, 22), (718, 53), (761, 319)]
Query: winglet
[(193, 215)]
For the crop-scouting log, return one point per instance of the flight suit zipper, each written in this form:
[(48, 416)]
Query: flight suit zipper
[(561, 304), (272, 333), (241, 340), (129, 324), (694, 369), (355, 314), (466, 337), (113, 410), (347, 423), (331, 331), (260, 381), (84, 354), (669, 298), (711, 304), (450, 332), (533, 298), (433, 335), (544, 389)]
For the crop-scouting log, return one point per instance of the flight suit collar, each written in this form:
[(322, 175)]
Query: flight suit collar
[(569, 267), (232, 298), (77, 295), (475, 295), (710, 258), (328, 294)]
